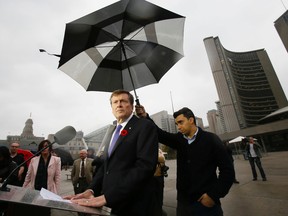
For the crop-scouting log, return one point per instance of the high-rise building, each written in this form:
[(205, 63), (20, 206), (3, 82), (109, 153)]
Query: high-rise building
[(214, 122), (199, 122), (221, 118), (164, 121), (247, 85), (281, 25)]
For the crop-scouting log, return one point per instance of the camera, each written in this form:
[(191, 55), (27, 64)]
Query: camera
[(164, 170)]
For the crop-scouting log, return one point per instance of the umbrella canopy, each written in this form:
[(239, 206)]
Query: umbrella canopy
[(65, 156), (237, 139), (126, 45)]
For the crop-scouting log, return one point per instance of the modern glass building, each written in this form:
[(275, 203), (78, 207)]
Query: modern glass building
[(281, 25), (247, 85)]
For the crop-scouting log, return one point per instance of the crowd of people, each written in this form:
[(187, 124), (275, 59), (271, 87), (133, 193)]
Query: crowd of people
[(128, 175)]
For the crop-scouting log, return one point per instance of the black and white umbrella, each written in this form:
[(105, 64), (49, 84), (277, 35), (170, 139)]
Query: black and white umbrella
[(126, 45)]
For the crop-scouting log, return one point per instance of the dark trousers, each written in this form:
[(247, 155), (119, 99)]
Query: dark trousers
[(257, 161), (3, 208), (80, 187), (159, 189), (197, 209)]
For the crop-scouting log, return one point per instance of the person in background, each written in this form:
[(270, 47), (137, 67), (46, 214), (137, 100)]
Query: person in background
[(18, 159), (7, 165), (97, 163), (82, 172), (44, 170), (200, 154), (254, 155), (159, 174), (125, 182), (98, 160), (91, 153), (230, 153)]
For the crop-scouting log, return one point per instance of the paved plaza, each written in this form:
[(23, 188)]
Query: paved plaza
[(249, 198)]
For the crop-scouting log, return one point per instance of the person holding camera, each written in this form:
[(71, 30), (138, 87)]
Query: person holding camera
[(160, 173), (254, 154)]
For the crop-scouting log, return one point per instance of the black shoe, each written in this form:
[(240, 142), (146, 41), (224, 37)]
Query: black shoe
[(254, 179), (264, 179), (236, 182)]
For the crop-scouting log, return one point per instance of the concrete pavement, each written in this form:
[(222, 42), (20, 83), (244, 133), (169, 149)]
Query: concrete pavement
[(247, 198)]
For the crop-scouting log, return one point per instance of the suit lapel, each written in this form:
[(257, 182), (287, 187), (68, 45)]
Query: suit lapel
[(128, 128), (106, 141)]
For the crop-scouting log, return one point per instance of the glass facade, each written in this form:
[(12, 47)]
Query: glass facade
[(246, 83)]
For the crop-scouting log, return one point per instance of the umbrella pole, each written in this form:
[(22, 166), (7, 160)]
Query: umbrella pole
[(124, 52)]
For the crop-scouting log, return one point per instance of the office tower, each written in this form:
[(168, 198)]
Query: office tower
[(164, 121), (281, 25), (247, 85), (214, 122), (199, 122), (221, 117)]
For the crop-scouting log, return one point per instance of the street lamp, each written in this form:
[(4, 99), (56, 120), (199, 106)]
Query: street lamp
[(42, 50)]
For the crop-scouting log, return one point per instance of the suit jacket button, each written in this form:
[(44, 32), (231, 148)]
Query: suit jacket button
[(107, 172)]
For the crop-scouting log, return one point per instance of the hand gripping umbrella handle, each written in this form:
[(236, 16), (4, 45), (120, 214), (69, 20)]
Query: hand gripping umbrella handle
[(137, 101)]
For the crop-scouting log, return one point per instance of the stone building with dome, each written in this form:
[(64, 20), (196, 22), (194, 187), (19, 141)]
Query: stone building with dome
[(27, 139)]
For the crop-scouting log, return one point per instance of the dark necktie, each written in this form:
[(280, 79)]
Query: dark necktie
[(114, 139), (82, 169)]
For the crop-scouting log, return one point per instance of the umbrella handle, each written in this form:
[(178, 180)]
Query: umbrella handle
[(137, 101)]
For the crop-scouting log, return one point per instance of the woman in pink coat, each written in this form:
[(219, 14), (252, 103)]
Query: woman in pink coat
[(44, 170)]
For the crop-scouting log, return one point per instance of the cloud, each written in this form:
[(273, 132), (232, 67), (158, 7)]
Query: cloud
[(31, 83)]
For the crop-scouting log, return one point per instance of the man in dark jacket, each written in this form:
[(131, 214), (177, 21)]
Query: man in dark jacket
[(230, 153), (18, 159), (199, 155), (254, 155)]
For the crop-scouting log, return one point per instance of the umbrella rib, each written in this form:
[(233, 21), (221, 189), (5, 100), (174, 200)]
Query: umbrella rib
[(104, 46), (127, 47), (119, 40), (136, 33)]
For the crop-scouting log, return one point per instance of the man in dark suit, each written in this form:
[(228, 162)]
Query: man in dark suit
[(125, 181)]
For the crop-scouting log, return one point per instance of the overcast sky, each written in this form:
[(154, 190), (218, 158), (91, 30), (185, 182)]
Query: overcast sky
[(31, 84)]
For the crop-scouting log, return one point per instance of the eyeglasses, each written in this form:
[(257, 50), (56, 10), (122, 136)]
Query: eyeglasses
[(14, 146)]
